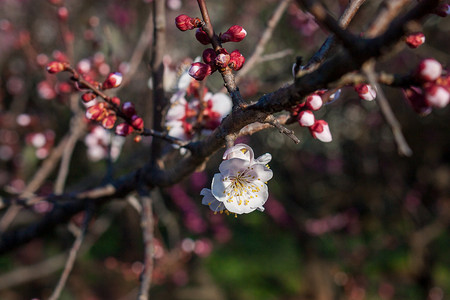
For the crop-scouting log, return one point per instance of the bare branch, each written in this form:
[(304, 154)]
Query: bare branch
[(147, 234), (274, 122)]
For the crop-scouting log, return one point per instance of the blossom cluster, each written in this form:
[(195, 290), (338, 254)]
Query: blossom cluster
[(240, 186), (213, 60), (433, 89), (193, 107), (319, 129)]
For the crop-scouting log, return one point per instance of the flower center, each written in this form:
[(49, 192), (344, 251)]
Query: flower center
[(242, 188)]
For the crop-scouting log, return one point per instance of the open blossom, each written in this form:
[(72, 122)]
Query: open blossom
[(240, 187)]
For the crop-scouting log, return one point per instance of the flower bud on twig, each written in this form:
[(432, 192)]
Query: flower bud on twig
[(236, 60), (365, 91), (55, 67), (199, 70), (321, 131), (414, 40), (235, 34), (123, 129), (128, 109), (306, 118), (184, 22), (202, 37), (437, 95), (314, 102), (112, 81), (429, 70)]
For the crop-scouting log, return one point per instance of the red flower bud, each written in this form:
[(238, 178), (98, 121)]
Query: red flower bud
[(112, 81), (109, 121), (209, 56), (199, 70), (417, 100), (137, 122), (55, 67), (236, 60), (365, 91), (414, 40), (437, 95), (88, 97), (96, 112), (63, 13), (115, 100), (235, 34), (123, 129), (321, 131), (222, 60), (429, 70), (184, 22), (202, 37), (314, 102), (306, 118), (128, 109)]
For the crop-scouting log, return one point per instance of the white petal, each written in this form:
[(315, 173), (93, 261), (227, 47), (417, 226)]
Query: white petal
[(222, 104), (176, 112), (218, 187), (241, 151), (178, 132), (264, 159), (184, 81), (232, 166), (261, 172), (211, 201)]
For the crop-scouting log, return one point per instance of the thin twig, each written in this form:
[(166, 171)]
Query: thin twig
[(72, 257), (402, 145), (265, 38), (147, 234), (274, 122)]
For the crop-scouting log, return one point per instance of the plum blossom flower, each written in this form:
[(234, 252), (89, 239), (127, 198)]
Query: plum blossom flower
[(240, 187)]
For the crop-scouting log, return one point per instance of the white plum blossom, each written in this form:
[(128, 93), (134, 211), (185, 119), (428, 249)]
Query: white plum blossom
[(240, 187)]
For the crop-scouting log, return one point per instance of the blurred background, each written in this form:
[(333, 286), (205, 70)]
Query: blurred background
[(350, 219)]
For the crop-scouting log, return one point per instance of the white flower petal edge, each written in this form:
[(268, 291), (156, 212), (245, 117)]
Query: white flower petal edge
[(213, 203), (241, 151)]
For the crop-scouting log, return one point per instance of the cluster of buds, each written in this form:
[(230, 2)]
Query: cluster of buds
[(434, 88), (319, 129), (105, 112), (365, 91), (213, 60), (414, 40)]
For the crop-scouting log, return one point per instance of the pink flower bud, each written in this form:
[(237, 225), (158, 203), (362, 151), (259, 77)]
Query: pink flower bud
[(365, 91), (236, 60), (88, 97), (235, 34), (222, 60), (184, 22), (321, 131), (306, 118), (429, 70), (209, 56), (199, 70), (202, 37), (123, 129), (442, 10), (128, 109), (137, 122), (109, 121), (314, 102), (417, 100), (63, 13), (414, 40), (55, 67), (96, 112), (437, 95), (112, 81), (115, 100)]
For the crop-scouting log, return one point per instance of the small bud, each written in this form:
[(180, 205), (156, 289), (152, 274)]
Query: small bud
[(112, 81), (128, 109), (236, 60), (96, 112), (442, 10), (55, 67), (222, 60), (109, 121), (184, 22), (115, 100), (314, 102), (429, 70), (123, 129), (137, 122), (202, 37), (417, 100), (88, 97), (414, 40), (321, 131), (209, 56), (63, 13), (437, 95), (365, 91), (306, 118), (199, 70), (235, 34)]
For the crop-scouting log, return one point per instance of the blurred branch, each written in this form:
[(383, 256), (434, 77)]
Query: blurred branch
[(386, 109), (256, 56), (147, 233)]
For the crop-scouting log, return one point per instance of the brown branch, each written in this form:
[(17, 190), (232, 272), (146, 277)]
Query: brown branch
[(274, 122), (386, 109), (147, 234), (389, 10)]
